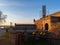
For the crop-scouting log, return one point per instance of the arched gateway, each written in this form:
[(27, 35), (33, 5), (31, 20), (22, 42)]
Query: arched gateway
[(46, 26)]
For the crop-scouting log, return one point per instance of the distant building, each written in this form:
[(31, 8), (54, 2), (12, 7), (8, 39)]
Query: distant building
[(50, 22), (25, 26)]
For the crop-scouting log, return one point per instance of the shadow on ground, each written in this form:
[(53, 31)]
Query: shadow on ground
[(32, 41)]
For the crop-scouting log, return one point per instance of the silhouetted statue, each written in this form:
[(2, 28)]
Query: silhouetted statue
[(34, 20)]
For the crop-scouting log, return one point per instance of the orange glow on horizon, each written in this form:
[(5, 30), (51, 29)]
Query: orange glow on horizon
[(7, 23)]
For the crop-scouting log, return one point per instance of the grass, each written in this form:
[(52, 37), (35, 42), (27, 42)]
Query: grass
[(5, 35), (4, 39)]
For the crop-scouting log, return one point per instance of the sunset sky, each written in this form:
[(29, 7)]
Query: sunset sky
[(24, 11)]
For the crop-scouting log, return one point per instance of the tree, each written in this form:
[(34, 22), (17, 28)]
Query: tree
[(2, 18)]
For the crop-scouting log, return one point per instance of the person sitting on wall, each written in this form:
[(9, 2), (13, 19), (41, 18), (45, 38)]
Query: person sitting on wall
[(6, 30)]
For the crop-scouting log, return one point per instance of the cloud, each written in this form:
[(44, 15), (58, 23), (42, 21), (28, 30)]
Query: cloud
[(1, 4), (11, 4), (18, 3)]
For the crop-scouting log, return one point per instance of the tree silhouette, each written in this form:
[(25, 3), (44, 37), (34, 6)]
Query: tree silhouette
[(2, 18)]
